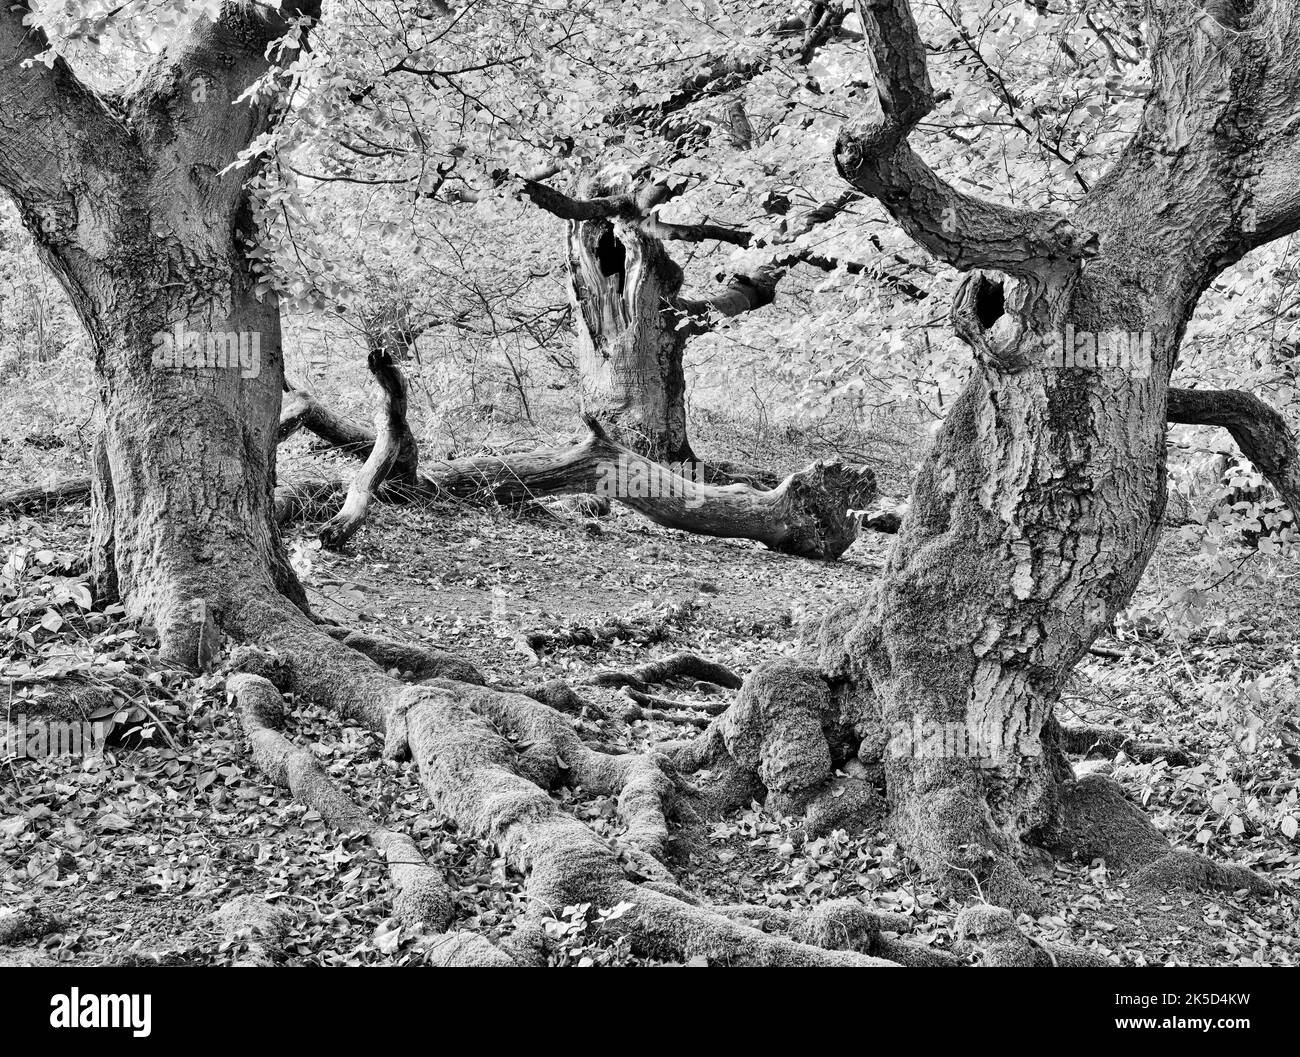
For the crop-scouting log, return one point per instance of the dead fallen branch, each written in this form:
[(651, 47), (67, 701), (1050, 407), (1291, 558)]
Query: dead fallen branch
[(1086, 739), (661, 671), (643, 629), (30, 500), (393, 457)]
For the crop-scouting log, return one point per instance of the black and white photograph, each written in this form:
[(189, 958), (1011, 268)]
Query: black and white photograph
[(650, 483)]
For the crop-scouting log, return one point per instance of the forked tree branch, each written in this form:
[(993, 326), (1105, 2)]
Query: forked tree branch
[(46, 117), (873, 155)]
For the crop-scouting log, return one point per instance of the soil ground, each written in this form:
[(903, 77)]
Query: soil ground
[(132, 849)]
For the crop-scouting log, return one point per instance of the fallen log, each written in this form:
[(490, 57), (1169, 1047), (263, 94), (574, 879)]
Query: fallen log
[(811, 513), (28, 500)]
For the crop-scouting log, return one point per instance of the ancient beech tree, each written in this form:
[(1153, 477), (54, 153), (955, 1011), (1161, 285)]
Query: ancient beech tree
[(138, 206), (1035, 513), (1029, 526)]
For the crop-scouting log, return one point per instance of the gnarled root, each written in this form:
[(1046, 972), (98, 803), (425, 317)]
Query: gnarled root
[(661, 671), (992, 931), (787, 737), (423, 898), (486, 758), (1093, 819), (783, 735), (845, 925), (421, 662), (644, 630)]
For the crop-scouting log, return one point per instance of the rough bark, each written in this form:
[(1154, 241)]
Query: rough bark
[(147, 237), (139, 209), (631, 318), (1020, 543), (624, 285), (1033, 517)]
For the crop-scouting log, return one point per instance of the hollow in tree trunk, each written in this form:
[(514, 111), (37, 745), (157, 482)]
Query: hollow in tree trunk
[(624, 286), (1034, 515)]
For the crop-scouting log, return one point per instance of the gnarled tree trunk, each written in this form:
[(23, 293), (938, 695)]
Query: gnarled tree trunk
[(1037, 510), (624, 287), (141, 219)]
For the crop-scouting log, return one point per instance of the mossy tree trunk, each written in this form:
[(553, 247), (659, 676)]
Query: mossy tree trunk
[(143, 216), (1034, 515)]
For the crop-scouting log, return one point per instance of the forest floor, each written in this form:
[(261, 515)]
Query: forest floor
[(130, 851)]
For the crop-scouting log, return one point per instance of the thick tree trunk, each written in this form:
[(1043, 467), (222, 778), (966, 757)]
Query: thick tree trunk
[(184, 498), (624, 287), (144, 218), (1038, 508)]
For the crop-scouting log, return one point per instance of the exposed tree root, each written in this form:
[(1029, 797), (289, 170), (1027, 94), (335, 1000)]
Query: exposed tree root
[(1094, 819), (787, 738), (846, 925), (423, 898), (780, 736), (711, 708), (70, 698), (557, 694), (674, 667), (406, 658), (641, 707), (1086, 739), (652, 627), (487, 759), (992, 931)]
